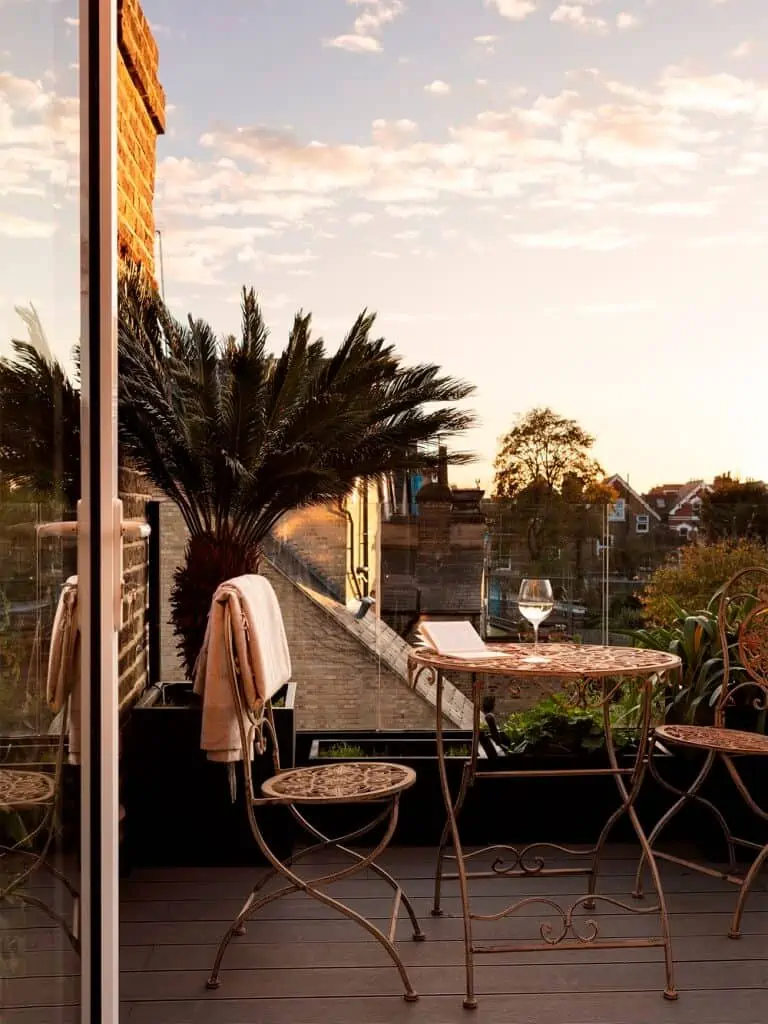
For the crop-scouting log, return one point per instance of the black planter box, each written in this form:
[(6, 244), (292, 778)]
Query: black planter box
[(178, 804), (567, 810)]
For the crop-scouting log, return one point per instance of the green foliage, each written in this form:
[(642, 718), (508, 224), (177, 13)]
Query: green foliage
[(699, 570), (39, 417), (458, 750), (695, 639), (236, 436), (556, 726), (345, 750), (733, 510)]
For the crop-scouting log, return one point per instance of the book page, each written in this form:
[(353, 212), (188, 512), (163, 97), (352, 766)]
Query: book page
[(457, 639)]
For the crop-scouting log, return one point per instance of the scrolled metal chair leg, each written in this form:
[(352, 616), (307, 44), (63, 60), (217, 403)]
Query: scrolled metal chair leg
[(685, 797), (311, 888), (340, 845), (749, 880)]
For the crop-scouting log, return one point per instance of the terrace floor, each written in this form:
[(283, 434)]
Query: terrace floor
[(302, 964)]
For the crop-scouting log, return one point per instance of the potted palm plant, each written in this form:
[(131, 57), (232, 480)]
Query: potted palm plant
[(236, 437)]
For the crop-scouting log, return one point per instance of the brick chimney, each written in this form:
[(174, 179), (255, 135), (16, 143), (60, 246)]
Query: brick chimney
[(140, 119)]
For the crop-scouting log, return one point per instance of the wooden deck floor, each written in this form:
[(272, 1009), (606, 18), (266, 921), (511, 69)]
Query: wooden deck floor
[(301, 964)]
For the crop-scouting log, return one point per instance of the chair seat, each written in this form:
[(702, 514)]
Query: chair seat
[(707, 737), (350, 782), (22, 789)]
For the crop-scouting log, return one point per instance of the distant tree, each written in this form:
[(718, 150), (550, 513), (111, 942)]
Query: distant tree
[(733, 509), (543, 449), (692, 576), (545, 468)]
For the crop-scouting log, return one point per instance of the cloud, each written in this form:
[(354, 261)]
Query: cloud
[(635, 136), (438, 88), (290, 259), (355, 43), (616, 308), (597, 240), (722, 94), (14, 226), (680, 209), (360, 218), (744, 49), (576, 15), (407, 236), (40, 134), (481, 82), (408, 212), (625, 21), (516, 10), (364, 37), (487, 43), (384, 255), (737, 238), (393, 133)]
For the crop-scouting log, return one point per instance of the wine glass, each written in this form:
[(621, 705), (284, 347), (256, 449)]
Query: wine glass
[(535, 602)]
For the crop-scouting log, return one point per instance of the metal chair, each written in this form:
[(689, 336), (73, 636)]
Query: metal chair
[(745, 598), (344, 783), (25, 788)]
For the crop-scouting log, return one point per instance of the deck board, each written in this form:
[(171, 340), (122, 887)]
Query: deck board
[(301, 964)]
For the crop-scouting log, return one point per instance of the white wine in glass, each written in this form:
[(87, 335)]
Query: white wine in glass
[(536, 602)]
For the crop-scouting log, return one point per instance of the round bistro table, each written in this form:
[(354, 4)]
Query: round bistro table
[(592, 676)]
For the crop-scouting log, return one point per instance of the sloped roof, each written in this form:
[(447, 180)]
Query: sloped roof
[(638, 497), (689, 493)]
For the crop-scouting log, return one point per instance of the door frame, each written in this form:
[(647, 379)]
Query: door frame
[(99, 513)]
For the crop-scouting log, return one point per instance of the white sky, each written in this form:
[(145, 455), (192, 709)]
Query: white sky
[(565, 203)]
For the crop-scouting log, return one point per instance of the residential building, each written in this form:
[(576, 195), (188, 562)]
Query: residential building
[(679, 506)]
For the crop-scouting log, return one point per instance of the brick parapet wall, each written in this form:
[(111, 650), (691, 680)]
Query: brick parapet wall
[(338, 677), (133, 648), (141, 118), (319, 537)]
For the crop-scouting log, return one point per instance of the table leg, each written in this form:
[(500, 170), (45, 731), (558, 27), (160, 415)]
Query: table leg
[(628, 797), (470, 1001)]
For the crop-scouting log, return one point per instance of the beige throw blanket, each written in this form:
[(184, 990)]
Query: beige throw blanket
[(246, 608), (64, 664)]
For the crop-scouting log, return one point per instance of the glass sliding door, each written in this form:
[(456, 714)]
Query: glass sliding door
[(59, 521)]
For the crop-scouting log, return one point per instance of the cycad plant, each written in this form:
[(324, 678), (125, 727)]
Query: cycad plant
[(39, 417), (236, 436)]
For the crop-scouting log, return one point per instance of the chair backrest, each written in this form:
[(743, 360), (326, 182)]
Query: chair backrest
[(253, 726), (743, 626)]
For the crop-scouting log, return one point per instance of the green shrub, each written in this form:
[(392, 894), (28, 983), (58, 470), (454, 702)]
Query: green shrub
[(346, 750), (698, 572), (556, 726)]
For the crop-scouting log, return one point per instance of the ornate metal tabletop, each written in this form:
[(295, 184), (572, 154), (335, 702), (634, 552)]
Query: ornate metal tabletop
[(560, 661)]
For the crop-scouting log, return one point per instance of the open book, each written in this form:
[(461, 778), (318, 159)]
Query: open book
[(455, 640)]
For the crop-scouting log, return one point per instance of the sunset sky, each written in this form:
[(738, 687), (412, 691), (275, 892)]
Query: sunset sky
[(565, 203)]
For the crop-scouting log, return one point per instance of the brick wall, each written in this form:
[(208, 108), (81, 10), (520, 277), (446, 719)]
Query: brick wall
[(339, 682), (173, 540), (319, 536), (140, 119), (133, 667), (337, 675)]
